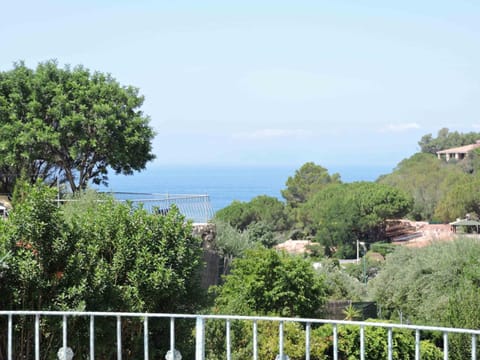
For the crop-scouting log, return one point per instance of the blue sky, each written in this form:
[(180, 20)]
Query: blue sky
[(271, 83)]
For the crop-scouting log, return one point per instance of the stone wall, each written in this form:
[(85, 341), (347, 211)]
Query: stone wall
[(211, 272)]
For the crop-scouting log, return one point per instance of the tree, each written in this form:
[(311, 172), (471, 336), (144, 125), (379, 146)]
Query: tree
[(265, 281), (421, 282), (461, 199), (70, 125), (308, 180), (426, 179), (230, 243), (270, 211), (436, 285), (340, 285), (343, 214), (265, 209), (445, 140), (238, 214)]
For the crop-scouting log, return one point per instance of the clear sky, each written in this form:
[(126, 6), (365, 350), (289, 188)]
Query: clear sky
[(271, 82)]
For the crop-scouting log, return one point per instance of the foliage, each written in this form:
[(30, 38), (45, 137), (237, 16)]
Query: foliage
[(435, 285), (340, 285), (237, 214), (261, 233), (308, 180), (382, 248), (265, 281), (69, 125), (96, 255), (366, 269), (268, 344), (265, 209), (230, 243), (461, 199), (426, 179), (376, 346), (342, 214), (446, 139), (352, 313), (321, 342)]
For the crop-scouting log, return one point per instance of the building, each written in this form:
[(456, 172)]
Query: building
[(457, 153)]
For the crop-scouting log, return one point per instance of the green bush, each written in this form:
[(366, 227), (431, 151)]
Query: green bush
[(95, 255)]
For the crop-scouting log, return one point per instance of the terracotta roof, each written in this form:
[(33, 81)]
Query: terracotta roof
[(461, 149)]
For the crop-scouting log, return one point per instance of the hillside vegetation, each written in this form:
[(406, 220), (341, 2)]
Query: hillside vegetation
[(320, 207)]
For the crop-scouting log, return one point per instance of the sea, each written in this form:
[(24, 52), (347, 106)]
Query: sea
[(224, 184)]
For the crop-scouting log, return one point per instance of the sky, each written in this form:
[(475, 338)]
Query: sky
[(270, 83)]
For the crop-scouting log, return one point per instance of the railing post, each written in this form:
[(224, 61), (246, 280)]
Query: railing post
[(172, 336), (474, 347), (255, 350), (119, 337), (307, 341), (145, 338), (229, 350), (200, 339), (445, 345), (390, 344), (362, 342), (92, 337), (64, 337), (417, 344), (335, 342), (280, 342), (37, 337), (10, 336)]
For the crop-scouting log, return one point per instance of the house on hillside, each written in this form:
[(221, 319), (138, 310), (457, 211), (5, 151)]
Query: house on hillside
[(457, 153)]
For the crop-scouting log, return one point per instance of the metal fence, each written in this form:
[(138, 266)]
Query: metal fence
[(199, 323), (194, 207)]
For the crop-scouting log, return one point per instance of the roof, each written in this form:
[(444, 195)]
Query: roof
[(461, 149), (465, 222), (294, 246)]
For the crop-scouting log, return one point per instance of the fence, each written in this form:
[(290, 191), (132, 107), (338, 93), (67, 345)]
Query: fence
[(194, 207), (200, 333)]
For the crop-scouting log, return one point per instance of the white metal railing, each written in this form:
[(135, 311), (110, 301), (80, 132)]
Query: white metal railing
[(195, 207), (200, 332)]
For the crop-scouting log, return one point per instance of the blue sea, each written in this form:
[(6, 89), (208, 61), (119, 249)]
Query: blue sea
[(225, 184)]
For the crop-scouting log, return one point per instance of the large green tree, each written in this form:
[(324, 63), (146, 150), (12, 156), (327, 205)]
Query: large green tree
[(266, 209), (69, 124), (266, 281), (308, 180), (344, 213)]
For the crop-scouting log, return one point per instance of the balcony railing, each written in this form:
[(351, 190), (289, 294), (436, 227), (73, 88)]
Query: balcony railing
[(199, 322), (195, 207)]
